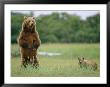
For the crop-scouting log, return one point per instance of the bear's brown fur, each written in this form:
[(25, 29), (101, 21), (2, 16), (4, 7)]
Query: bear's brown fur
[(87, 63), (29, 42)]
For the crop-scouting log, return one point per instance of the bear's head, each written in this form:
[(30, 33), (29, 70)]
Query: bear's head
[(29, 24), (81, 60)]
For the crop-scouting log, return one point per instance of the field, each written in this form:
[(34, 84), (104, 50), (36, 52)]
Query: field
[(64, 65)]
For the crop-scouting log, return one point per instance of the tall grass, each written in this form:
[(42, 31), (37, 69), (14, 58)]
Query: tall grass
[(58, 66)]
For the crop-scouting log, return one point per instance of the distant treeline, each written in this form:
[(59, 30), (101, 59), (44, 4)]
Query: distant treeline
[(61, 28)]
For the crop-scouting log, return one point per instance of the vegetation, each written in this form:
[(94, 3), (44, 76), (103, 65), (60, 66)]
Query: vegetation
[(63, 65), (61, 27)]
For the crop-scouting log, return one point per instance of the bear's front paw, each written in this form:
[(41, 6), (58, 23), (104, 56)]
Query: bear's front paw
[(35, 46), (31, 47), (25, 45)]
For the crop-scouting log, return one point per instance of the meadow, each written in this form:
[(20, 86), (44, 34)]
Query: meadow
[(64, 65)]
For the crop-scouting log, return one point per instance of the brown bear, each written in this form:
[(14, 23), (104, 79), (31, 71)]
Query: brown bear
[(87, 63), (31, 51), (29, 42)]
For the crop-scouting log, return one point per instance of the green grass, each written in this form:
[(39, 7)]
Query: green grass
[(64, 65)]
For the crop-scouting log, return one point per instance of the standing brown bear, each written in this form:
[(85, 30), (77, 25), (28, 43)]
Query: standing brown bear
[(29, 42)]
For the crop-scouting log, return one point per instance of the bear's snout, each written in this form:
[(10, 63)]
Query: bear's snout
[(31, 23)]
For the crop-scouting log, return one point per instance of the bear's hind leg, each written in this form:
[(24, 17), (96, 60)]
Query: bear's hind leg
[(23, 61), (35, 62)]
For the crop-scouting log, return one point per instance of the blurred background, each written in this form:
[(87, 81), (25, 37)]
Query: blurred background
[(60, 26)]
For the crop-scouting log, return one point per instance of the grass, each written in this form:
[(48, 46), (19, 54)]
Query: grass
[(65, 65)]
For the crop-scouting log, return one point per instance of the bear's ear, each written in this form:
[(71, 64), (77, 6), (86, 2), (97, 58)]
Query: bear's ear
[(34, 18), (25, 17), (83, 58)]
